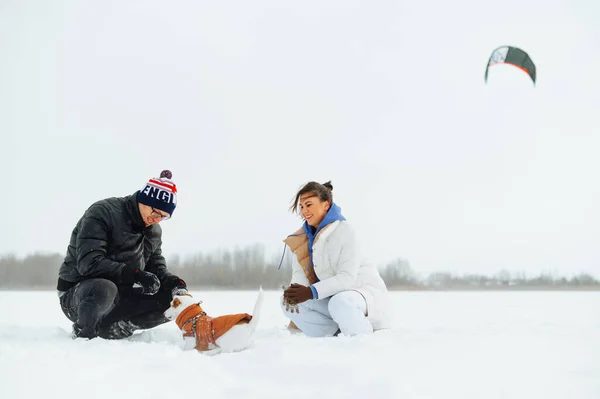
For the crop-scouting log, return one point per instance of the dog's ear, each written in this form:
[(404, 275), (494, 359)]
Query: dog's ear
[(176, 302)]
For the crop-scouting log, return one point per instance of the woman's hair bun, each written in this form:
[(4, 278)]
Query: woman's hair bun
[(328, 185)]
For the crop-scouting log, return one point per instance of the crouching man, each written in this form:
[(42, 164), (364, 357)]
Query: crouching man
[(114, 279)]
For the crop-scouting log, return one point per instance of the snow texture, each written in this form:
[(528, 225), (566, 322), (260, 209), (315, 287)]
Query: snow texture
[(443, 345)]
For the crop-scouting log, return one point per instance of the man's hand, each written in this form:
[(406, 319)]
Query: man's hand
[(179, 291), (176, 285), (297, 293), (148, 282)]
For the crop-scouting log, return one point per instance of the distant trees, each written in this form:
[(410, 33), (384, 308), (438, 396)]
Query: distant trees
[(249, 267), (398, 273), (240, 268), (35, 271)]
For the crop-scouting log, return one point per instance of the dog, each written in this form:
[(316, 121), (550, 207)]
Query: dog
[(228, 333)]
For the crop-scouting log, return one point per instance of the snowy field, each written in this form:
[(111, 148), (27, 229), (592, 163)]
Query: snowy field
[(443, 345)]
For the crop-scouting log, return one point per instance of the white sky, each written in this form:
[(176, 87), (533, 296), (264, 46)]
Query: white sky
[(246, 101)]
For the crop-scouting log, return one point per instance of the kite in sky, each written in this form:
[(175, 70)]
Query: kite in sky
[(512, 56)]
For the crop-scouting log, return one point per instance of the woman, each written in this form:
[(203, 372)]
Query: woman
[(331, 290)]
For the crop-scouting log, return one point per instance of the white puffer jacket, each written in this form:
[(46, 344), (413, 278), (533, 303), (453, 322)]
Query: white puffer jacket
[(338, 266)]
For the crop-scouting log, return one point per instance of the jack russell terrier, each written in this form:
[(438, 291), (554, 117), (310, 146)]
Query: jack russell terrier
[(228, 333)]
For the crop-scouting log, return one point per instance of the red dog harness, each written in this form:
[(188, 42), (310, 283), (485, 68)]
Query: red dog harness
[(194, 322)]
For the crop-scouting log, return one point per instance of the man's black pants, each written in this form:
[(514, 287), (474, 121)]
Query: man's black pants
[(98, 308)]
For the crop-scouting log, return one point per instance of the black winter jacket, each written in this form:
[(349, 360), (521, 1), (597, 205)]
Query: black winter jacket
[(111, 241)]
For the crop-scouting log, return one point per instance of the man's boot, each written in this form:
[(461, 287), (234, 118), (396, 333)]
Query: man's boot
[(117, 330)]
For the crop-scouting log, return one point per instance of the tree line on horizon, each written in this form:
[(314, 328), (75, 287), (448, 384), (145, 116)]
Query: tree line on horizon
[(249, 267)]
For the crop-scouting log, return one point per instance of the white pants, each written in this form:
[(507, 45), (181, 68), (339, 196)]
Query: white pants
[(345, 311)]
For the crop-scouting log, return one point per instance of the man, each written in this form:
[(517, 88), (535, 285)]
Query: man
[(114, 279)]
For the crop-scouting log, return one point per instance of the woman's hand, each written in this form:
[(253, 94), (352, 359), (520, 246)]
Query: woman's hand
[(297, 293)]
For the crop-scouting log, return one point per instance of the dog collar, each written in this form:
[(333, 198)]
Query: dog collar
[(188, 314)]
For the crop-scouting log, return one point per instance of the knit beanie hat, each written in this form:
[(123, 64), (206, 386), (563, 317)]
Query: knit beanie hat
[(160, 193)]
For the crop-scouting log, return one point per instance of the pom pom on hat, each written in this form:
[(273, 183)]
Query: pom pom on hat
[(160, 193)]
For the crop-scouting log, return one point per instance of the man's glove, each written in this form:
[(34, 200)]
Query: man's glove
[(176, 285), (297, 293), (126, 276), (148, 282), (179, 291)]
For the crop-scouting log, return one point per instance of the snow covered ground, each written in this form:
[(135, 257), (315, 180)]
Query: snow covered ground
[(443, 345)]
